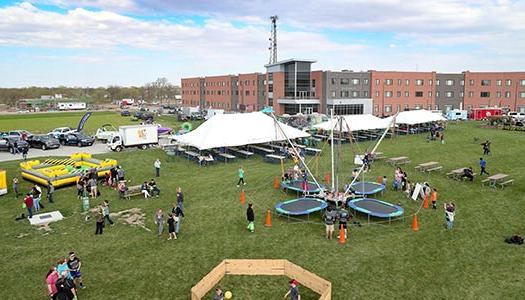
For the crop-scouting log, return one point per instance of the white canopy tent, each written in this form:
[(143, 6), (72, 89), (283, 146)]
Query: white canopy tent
[(413, 117), (230, 130), (355, 123)]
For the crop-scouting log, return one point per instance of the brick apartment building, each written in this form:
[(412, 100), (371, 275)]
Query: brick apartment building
[(290, 86)]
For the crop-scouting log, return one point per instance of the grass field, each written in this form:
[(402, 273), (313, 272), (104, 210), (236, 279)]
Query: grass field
[(379, 261)]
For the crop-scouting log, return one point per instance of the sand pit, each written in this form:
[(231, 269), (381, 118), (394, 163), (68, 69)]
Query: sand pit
[(133, 216)]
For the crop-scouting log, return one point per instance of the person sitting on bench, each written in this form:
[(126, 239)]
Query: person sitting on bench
[(144, 190), (152, 186), (468, 173)]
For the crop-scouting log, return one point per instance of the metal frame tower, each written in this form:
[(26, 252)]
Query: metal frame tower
[(273, 40)]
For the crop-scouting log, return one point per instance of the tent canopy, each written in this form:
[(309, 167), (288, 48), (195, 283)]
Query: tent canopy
[(355, 123), (420, 116), (230, 130)]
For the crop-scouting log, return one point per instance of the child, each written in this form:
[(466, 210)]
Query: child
[(171, 228), (250, 217), (434, 197)]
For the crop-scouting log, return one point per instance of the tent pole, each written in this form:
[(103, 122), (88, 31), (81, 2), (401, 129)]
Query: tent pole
[(332, 147)]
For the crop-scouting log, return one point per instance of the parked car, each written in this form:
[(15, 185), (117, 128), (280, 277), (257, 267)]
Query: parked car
[(125, 113), (8, 143), (60, 131), (20, 134), (141, 115), (43, 142), (77, 139), (196, 116), (105, 132)]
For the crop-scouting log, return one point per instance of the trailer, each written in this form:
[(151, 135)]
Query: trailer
[(71, 105), (140, 136), (483, 113), (456, 114)]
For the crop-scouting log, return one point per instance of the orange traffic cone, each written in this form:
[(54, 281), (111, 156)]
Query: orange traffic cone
[(415, 227), (327, 178), (242, 197), (342, 238), (268, 222), (276, 183), (425, 202)]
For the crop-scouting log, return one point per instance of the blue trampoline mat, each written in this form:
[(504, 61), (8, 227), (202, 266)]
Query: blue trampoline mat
[(376, 208), (297, 185), (366, 188), (300, 206)]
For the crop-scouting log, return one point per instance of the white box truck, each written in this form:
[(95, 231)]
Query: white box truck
[(140, 136)]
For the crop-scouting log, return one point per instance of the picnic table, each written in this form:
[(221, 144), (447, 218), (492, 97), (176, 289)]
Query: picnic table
[(273, 158), (225, 157), (428, 166), (192, 155), (498, 179), (457, 173), (395, 161), (312, 151), (322, 137), (241, 153), (378, 155), (261, 150)]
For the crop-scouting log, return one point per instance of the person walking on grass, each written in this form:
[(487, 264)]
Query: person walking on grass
[(450, 213), (241, 177), (486, 147), (250, 217), (293, 291), (159, 221), (50, 191), (74, 264), (28, 201), (99, 218), (105, 212), (156, 164), (15, 187), (180, 200), (483, 166), (171, 227)]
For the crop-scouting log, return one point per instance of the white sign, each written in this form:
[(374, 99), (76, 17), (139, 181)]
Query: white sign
[(45, 218), (417, 190), (358, 159)]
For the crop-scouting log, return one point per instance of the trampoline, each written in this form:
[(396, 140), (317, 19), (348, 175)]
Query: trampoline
[(297, 186), (376, 208), (366, 187), (300, 206)]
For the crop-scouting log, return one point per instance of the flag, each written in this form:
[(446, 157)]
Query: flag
[(83, 121)]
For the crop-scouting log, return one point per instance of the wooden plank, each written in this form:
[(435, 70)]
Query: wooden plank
[(209, 281), (307, 278), (254, 267)]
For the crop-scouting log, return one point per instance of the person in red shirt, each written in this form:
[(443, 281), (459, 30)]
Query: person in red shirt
[(29, 204)]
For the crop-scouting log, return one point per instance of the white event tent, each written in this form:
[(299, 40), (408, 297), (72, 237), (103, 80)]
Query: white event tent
[(354, 123), (230, 130), (420, 116)]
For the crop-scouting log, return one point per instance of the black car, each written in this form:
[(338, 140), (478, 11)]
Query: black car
[(125, 113), (145, 116), (77, 139), (8, 143), (43, 142)]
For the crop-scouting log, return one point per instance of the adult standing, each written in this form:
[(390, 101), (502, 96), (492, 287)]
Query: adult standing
[(180, 200), (105, 212), (450, 213), (120, 173), (159, 221), (37, 193), (241, 176), (486, 147), (92, 182), (24, 153), (329, 220), (28, 201), (15, 187), (483, 166), (250, 217), (293, 291), (177, 212), (99, 217), (156, 164), (50, 191)]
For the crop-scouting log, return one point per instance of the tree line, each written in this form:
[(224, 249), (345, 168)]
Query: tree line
[(159, 90)]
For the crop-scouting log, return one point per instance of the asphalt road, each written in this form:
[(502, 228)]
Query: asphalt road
[(97, 148)]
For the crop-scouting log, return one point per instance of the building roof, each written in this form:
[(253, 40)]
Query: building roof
[(289, 61)]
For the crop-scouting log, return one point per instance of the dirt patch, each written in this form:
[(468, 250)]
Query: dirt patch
[(133, 216)]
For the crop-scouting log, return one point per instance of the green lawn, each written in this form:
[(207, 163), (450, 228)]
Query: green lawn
[(379, 261)]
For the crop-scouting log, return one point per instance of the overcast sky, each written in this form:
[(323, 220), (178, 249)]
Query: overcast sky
[(131, 42)]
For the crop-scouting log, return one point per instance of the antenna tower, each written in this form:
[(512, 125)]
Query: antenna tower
[(273, 40)]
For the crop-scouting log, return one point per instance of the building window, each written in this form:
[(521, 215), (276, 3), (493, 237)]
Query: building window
[(449, 94), (429, 107), (521, 109), (437, 94), (247, 93), (522, 81), (430, 82), (508, 82), (398, 94), (345, 81), (398, 107), (237, 93), (376, 108), (462, 82), (344, 94), (437, 82), (333, 81), (270, 88), (377, 82), (406, 107), (485, 82), (399, 82), (365, 94), (430, 94), (388, 81), (377, 93), (355, 94), (388, 94), (522, 94), (365, 81), (419, 94), (471, 82), (418, 106), (419, 81), (407, 82), (461, 94), (470, 94), (498, 94), (449, 82), (484, 94), (313, 82), (313, 93), (388, 108), (332, 93), (355, 81), (498, 82), (407, 94)]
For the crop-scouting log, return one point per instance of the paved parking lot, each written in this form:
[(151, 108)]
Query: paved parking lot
[(97, 148)]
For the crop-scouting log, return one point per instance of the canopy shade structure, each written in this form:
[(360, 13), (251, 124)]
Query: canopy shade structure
[(354, 123), (420, 116), (230, 130)]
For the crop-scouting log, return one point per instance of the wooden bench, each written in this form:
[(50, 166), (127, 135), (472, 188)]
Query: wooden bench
[(272, 158), (434, 169), (503, 184), (225, 157), (241, 153), (133, 190), (312, 151)]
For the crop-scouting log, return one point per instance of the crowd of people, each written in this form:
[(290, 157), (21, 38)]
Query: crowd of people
[(173, 219), (64, 277)]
